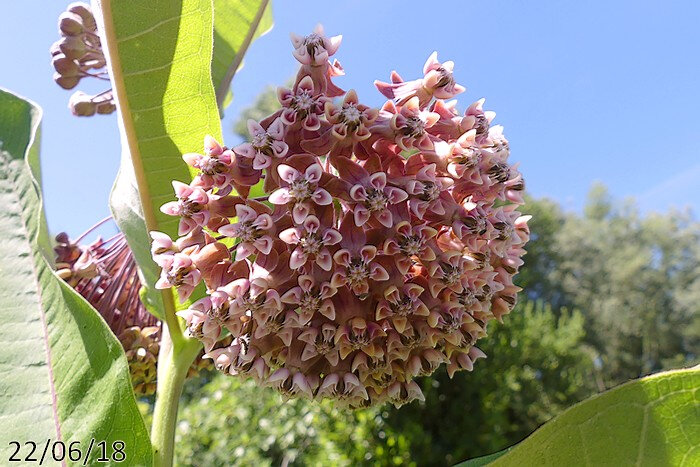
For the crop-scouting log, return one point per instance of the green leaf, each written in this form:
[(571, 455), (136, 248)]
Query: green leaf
[(236, 24), (483, 460), (159, 57), (63, 374), (650, 421)]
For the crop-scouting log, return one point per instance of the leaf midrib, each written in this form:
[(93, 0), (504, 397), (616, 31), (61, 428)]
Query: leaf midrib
[(127, 126)]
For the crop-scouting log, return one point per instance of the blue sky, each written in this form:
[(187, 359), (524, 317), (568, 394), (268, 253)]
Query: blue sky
[(587, 91)]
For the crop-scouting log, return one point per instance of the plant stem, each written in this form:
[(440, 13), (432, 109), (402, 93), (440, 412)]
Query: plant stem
[(174, 360)]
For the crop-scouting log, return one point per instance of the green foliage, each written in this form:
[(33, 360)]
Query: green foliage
[(231, 421), (637, 280), (535, 275), (236, 24), (650, 421), (64, 374)]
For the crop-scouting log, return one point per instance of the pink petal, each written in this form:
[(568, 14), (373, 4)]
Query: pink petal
[(306, 84), (368, 253), (261, 161), (264, 244), (312, 122), (351, 98), (279, 148), (254, 127), (323, 259), (332, 44), (312, 224), (276, 129), (338, 280), (378, 273), (358, 193), (385, 218), (290, 236), (297, 259), (361, 215), (264, 222), (431, 63), (244, 250), (288, 173), (280, 196), (342, 257), (378, 180), (292, 296), (245, 150), (171, 208), (313, 173), (284, 96), (331, 237), (299, 212), (322, 197), (395, 195), (245, 213)]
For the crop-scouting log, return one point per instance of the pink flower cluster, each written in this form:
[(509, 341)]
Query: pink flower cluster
[(383, 241)]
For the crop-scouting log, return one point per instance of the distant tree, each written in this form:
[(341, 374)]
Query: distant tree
[(535, 276), (637, 280)]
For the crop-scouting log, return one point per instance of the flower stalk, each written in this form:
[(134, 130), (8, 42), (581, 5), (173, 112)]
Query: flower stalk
[(174, 361)]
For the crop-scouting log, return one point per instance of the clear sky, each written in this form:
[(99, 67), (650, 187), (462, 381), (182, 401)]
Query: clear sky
[(594, 90)]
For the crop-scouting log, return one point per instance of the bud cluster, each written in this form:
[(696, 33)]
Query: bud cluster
[(381, 244), (105, 274), (78, 54)]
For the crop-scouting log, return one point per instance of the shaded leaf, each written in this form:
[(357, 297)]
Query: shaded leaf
[(63, 374), (236, 24)]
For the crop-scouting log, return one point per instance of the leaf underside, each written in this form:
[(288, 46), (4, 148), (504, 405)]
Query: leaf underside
[(63, 374), (236, 24), (650, 421)]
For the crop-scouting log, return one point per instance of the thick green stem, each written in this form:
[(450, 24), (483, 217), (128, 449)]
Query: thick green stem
[(174, 360)]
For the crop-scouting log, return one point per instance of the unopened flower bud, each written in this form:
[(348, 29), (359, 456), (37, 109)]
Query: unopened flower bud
[(106, 107), (65, 66), (81, 105), (56, 48), (83, 10), (78, 54), (66, 82), (73, 47), (70, 24)]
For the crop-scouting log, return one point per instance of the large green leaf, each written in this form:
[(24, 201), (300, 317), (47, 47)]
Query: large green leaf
[(159, 57), (651, 421), (63, 374), (236, 24)]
